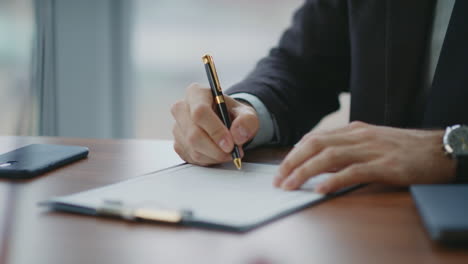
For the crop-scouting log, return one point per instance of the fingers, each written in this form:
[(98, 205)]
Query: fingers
[(200, 135), (353, 126), (192, 155), (193, 144), (330, 159), (309, 147), (354, 174), (245, 122), (295, 170), (200, 106)]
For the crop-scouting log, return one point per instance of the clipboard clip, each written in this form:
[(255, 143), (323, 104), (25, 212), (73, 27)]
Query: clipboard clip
[(117, 209)]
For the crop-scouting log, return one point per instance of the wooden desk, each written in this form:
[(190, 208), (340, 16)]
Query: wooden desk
[(375, 224)]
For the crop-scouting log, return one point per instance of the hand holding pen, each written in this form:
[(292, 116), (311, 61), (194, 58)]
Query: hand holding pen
[(201, 137)]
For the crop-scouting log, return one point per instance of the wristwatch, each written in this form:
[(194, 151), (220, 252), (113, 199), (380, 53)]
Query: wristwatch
[(456, 146)]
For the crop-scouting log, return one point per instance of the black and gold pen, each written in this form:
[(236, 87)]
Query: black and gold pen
[(219, 100)]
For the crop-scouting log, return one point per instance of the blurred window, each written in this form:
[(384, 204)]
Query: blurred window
[(170, 36), (16, 34)]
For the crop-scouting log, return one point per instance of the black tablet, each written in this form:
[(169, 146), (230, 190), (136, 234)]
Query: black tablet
[(444, 211)]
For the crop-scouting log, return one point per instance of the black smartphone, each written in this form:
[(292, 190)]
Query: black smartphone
[(36, 159)]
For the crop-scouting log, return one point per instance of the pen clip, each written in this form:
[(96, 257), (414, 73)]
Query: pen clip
[(117, 209), (208, 60)]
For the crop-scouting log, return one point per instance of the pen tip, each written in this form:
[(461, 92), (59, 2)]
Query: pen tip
[(238, 163)]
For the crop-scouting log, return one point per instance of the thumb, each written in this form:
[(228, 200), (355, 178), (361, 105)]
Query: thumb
[(245, 123)]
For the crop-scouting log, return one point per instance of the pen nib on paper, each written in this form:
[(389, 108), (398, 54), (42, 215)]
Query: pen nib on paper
[(238, 163)]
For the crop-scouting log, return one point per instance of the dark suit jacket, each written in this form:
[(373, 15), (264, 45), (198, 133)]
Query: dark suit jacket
[(375, 49)]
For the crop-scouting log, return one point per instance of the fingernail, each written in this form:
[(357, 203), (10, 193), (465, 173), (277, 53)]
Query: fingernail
[(288, 184), (277, 181), (243, 133), (223, 144), (321, 188)]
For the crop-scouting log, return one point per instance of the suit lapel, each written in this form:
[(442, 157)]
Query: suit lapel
[(448, 99)]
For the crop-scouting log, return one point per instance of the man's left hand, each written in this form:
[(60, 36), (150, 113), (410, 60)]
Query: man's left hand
[(363, 153)]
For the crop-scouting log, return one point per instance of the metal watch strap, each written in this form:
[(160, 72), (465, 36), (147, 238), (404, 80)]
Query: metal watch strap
[(462, 169)]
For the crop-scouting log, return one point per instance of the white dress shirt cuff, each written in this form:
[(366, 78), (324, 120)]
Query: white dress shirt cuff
[(267, 123)]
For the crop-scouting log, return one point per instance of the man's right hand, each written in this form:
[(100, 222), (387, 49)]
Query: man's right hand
[(200, 136)]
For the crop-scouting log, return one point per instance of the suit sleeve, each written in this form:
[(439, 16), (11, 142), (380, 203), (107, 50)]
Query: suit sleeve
[(301, 78)]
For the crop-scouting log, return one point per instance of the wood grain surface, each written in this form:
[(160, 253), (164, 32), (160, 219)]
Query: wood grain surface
[(375, 224)]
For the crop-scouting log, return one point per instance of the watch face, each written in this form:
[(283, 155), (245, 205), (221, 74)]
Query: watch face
[(458, 140)]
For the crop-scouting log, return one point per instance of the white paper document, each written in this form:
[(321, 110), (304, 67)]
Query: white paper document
[(221, 196)]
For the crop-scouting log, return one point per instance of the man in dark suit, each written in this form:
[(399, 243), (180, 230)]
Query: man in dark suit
[(387, 54)]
